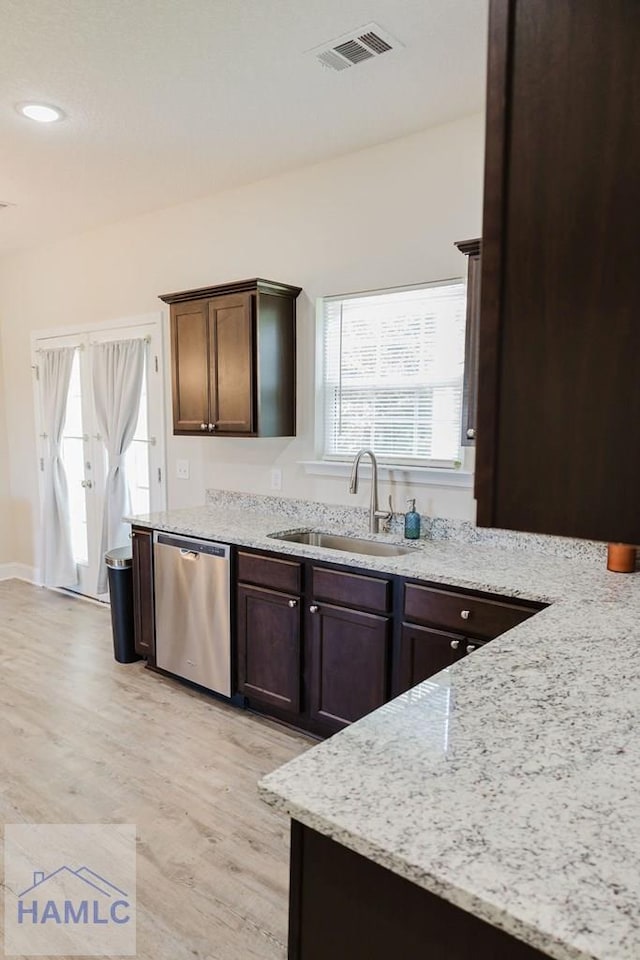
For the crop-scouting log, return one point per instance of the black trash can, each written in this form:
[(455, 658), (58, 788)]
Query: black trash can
[(120, 571)]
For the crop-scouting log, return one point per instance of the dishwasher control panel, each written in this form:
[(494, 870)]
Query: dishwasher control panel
[(193, 546)]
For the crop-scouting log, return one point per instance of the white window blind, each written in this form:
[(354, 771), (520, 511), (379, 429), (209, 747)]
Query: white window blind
[(393, 370)]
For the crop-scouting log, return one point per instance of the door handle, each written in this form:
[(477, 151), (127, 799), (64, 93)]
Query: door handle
[(189, 554), (86, 483), (314, 608)]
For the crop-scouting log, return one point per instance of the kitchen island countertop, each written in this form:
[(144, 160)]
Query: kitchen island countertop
[(508, 784)]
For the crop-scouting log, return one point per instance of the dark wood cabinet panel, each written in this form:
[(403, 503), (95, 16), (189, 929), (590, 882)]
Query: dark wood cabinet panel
[(143, 595), (352, 589), (283, 575), (349, 664), (234, 359), (343, 906), (472, 250), (276, 362), (269, 647), (559, 399), (231, 363), (424, 652), (476, 616), (189, 345)]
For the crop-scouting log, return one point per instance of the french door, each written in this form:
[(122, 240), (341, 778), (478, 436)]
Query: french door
[(83, 452)]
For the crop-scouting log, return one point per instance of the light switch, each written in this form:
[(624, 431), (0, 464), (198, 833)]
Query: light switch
[(276, 478), (182, 469)]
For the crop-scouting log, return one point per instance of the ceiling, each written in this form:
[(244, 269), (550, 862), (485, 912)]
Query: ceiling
[(169, 100)]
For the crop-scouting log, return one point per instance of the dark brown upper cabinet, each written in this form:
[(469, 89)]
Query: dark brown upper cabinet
[(558, 446), (472, 251), (233, 358)]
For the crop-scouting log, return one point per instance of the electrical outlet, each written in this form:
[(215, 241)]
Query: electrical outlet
[(276, 478), (182, 469)]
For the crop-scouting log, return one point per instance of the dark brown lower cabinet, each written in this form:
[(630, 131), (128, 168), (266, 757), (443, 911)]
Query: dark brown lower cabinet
[(345, 907), (423, 652), (349, 664), (143, 595), (269, 647)]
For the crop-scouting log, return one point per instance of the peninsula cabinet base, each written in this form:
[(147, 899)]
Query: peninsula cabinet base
[(344, 907)]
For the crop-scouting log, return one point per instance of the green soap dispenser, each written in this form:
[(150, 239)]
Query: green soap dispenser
[(412, 522)]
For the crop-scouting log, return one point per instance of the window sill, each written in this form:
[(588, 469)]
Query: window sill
[(426, 476)]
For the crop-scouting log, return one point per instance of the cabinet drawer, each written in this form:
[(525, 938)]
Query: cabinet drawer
[(270, 572), (472, 616), (352, 589)]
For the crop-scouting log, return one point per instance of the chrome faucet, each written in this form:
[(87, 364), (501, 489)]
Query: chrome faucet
[(375, 515)]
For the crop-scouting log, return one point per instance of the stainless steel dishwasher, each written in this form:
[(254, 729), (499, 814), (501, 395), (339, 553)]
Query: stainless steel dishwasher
[(193, 628)]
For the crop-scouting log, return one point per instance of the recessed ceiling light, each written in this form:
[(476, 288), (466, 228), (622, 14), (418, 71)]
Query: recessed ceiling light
[(42, 112)]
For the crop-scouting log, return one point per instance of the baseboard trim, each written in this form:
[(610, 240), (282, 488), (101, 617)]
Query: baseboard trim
[(19, 571), (68, 592)]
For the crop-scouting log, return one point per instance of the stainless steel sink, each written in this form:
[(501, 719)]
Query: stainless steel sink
[(351, 544)]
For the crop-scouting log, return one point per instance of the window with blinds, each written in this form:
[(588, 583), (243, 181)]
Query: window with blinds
[(393, 369)]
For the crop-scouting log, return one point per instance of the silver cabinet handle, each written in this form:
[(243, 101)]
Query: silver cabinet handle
[(203, 426), (471, 434), (454, 644), (86, 483), (293, 603), (212, 427), (471, 647), (314, 608), (189, 554), (465, 614)]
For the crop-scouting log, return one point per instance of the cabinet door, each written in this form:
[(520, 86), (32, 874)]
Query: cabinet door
[(231, 363), (143, 600), (269, 665), (423, 652), (349, 664), (190, 366), (559, 398)]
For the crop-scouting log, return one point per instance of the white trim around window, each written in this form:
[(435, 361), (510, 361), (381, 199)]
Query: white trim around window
[(391, 473)]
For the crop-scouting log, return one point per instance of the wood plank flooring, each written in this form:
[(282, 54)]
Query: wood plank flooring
[(84, 739)]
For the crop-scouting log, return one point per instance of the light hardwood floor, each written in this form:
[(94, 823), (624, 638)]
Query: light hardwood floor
[(87, 740)]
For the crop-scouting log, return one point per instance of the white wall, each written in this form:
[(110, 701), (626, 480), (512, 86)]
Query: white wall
[(381, 217), (6, 526)]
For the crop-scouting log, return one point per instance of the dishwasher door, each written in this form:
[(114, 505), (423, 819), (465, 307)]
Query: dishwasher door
[(192, 601)]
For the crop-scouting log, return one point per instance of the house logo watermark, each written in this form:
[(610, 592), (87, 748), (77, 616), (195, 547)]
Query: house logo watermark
[(96, 900), (65, 910)]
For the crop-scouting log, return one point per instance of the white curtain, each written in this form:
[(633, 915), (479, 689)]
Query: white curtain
[(58, 566), (118, 368)]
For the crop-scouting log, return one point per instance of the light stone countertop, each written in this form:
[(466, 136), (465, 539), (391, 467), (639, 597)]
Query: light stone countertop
[(511, 573), (508, 784)]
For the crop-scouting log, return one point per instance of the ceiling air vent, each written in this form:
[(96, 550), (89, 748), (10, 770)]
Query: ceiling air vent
[(355, 47)]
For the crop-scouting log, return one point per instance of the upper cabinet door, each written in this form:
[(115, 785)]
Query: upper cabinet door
[(231, 362), (234, 359), (189, 347), (559, 391)]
